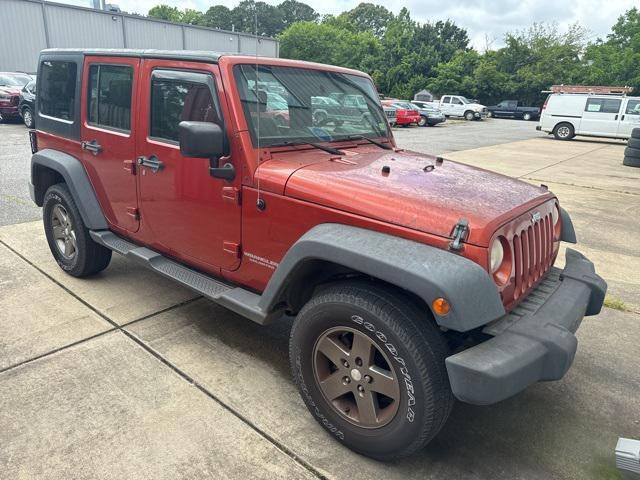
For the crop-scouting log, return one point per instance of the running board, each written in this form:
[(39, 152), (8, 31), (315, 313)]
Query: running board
[(237, 299)]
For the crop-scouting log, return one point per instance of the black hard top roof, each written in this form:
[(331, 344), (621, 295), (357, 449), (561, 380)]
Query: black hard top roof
[(191, 55)]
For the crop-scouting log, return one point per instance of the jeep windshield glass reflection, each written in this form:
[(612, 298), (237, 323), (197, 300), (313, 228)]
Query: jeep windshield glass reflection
[(286, 105)]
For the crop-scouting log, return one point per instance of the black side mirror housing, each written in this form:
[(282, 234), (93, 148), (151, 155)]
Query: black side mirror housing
[(205, 140)]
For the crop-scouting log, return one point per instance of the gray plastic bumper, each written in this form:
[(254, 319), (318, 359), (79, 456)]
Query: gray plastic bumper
[(534, 342)]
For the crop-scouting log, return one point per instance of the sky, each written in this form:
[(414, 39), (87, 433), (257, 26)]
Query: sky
[(486, 21)]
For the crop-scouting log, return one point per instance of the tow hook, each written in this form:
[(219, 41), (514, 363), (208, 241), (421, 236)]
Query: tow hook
[(459, 235)]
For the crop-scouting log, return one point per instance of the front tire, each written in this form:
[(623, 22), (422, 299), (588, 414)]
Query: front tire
[(422, 122), (27, 117), (526, 117), (68, 237), (469, 115), (369, 365)]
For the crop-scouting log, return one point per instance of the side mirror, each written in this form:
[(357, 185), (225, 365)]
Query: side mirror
[(205, 140)]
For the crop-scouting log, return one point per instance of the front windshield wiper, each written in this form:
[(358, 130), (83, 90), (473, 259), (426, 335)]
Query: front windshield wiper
[(333, 151), (370, 140)]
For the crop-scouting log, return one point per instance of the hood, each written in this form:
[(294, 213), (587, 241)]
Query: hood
[(430, 200), (476, 106), (10, 90)]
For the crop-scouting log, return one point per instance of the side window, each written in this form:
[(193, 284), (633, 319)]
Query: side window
[(446, 99), (456, 101), (109, 103), (179, 96), (633, 107), (603, 105), (58, 89)]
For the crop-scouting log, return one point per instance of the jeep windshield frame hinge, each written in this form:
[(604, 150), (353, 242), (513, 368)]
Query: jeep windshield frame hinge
[(459, 235), (232, 195)]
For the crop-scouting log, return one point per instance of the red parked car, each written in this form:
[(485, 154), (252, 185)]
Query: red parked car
[(11, 84), (406, 113), (413, 280)]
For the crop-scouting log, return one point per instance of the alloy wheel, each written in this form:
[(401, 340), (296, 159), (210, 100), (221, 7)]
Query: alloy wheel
[(27, 117), (356, 377), (64, 234), (564, 132)]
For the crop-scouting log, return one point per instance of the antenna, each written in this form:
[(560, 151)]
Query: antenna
[(260, 204)]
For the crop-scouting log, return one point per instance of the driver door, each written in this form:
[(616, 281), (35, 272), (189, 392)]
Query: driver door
[(184, 210)]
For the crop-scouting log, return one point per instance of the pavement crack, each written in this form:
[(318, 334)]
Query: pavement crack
[(158, 356)]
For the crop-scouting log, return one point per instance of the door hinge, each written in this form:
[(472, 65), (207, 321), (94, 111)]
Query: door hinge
[(130, 166), (133, 212), (231, 248), (232, 195)]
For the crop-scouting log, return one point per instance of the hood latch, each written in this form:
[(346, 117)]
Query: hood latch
[(459, 235)]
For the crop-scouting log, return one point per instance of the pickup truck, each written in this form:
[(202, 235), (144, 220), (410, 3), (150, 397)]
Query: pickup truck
[(413, 279), (459, 106), (513, 109)]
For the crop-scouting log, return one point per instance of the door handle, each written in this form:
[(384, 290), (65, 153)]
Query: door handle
[(153, 163), (93, 146), (616, 117), (622, 118)]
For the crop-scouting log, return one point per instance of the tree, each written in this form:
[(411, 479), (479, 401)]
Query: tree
[(269, 18), (218, 16), (293, 11), (367, 17), (192, 17), (165, 12)]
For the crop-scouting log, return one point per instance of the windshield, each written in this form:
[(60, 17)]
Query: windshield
[(13, 80), (294, 105), (464, 100)]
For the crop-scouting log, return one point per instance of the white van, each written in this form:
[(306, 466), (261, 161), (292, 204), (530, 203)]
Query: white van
[(597, 115)]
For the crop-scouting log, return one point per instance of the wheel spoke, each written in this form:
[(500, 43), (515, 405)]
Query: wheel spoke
[(333, 386), (333, 350), (58, 232), (367, 408), (363, 348), (383, 382), (68, 247)]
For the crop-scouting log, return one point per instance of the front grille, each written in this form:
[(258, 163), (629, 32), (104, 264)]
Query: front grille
[(390, 113), (533, 254)]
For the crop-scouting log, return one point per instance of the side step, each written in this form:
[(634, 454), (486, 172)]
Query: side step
[(234, 298)]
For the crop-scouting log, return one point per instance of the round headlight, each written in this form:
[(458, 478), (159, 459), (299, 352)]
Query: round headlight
[(497, 255), (555, 215)]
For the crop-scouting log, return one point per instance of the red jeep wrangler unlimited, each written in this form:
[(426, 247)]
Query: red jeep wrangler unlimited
[(413, 279)]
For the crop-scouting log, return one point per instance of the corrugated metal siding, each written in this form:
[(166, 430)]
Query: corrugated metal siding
[(201, 39), (22, 35), (145, 34), (73, 28), (24, 32)]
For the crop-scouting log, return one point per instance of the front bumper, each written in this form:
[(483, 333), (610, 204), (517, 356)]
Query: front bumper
[(9, 111), (534, 342)]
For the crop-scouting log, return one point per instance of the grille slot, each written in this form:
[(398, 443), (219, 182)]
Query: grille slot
[(533, 252)]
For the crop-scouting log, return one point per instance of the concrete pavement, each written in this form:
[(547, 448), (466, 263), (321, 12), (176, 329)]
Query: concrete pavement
[(127, 375)]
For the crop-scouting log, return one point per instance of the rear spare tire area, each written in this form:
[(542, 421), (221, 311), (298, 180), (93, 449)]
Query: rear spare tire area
[(370, 366), (68, 237)]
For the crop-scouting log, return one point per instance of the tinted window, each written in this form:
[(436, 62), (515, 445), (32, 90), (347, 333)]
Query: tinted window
[(58, 89), (633, 107), (179, 96), (109, 102), (603, 105)]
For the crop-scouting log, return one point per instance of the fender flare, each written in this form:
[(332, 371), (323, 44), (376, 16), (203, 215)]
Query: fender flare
[(425, 271), (77, 181), (567, 232)]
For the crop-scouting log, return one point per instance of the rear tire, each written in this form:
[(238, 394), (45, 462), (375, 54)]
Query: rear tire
[(632, 152), (635, 133), (631, 162), (564, 131), (68, 237), (404, 357), (526, 117), (489, 114)]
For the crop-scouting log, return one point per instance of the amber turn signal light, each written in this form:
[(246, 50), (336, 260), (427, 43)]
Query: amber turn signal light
[(440, 306)]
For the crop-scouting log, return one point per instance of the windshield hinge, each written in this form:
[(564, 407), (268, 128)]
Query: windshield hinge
[(459, 235)]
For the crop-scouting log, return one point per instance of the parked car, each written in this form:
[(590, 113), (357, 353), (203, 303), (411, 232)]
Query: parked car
[(406, 113), (391, 114), (459, 106), (26, 104), (429, 115), (513, 109), (413, 280), (566, 115), (11, 83)]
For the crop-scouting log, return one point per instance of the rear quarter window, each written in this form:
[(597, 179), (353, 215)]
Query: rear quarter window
[(57, 95)]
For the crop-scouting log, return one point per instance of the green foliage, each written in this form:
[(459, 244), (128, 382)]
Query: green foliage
[(404, 56)]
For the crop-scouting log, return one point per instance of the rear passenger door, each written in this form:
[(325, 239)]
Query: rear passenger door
[(601, 117), (630, 117), (108, 136)]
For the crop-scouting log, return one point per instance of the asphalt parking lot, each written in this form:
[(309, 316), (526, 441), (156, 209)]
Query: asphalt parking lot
[(127, 375)]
